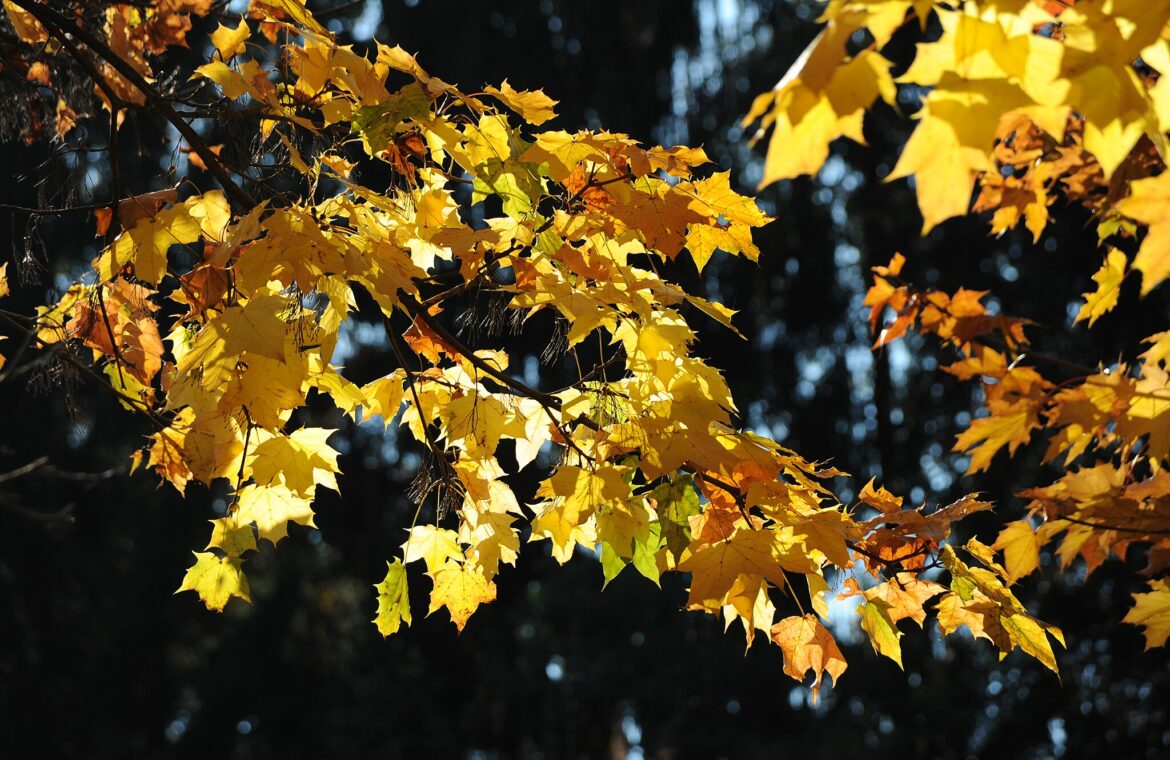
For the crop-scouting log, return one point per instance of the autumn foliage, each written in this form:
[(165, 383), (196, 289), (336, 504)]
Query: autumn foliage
[(213, 312)]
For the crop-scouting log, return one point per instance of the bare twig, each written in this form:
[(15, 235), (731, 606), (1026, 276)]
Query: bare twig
[(65, 30)]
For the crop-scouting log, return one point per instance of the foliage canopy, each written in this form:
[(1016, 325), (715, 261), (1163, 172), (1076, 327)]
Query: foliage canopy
[(213, 310)]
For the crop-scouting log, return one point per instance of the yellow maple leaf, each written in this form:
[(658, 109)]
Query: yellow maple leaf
[(987, 435), (301, 461), (1108, 280), (1149, 411), (879, 498), (491, 538), (272, 507), (623, 523), (145, 245), (128, 318), (216, 579), (232, 538), (251, 79), (345, 394), (229, 42), (821, 98), (1152, 611), (882, 631), (1159, 350), (434, 545), (808, 645), (254, 328), (203, 447), (992, 47), (294, 9), (580, 491), (1020, 545), (564, 533), (534, 107), (461, 589), (749, 602), (1149, 203), (715, 567), (268, 389), (26, 26), (888, 603), (981, 617), (393, 599), (732, 217)]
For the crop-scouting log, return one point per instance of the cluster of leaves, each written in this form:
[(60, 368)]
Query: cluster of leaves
[(1029, 101), (215, 314)]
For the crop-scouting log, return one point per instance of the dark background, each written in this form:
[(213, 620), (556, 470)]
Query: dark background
[(99, 659)]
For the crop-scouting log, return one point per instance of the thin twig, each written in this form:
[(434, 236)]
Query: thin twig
[(24, 469)]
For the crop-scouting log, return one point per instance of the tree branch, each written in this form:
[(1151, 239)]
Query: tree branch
[(65, 30)]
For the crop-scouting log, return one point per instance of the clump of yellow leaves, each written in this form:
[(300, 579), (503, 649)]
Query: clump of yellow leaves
[(1022, 103), (647, 465), (996, 68)]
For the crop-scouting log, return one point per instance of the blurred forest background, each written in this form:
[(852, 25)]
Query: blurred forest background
[(99, 659)]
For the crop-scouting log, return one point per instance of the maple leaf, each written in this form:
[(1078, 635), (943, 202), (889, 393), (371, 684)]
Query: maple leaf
[(821, 98), (564, 533), (733, 217), (272, 507), (491, 538), (1021, 549), (1108, 280), (1152, 611), (714, 567), (579, 492), (435, 546), (301, 461), (216, 580), (879, 498), (251, 80), (377, 124), (675, 503), (808, 645), (122, 326), (145, 245), (952, 143), (904, 596), (1148, 412), (1148, 204), (461, 589), (1015, 403), (750, 603), (229, 42), (231, 538), (623, 525), (533, 107), (27, 27), (295, 10), (393, 599), (882, 631)]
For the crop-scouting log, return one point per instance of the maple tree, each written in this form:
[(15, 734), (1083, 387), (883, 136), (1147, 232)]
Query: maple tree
[(214, 312)]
